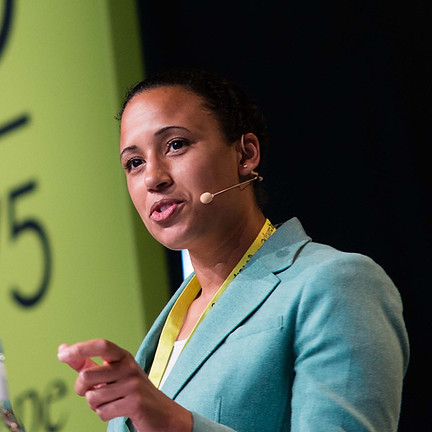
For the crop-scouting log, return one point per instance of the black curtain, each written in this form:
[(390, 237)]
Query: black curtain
[(346, 88)]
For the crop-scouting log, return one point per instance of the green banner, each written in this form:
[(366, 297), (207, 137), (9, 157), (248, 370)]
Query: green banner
[(75, 263)]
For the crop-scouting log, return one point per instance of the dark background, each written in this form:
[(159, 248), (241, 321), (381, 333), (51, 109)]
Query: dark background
[(346, 88)]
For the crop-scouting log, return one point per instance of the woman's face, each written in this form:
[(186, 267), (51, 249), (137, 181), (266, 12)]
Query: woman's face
[(172, 150)]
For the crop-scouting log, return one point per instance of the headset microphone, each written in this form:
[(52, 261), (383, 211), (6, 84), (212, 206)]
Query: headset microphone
[(207, 197)]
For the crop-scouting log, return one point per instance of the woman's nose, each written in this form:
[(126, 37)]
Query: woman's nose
[(157, 175)]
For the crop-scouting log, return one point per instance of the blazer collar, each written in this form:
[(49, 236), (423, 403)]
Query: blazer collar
[(283, 247), (240, 300)]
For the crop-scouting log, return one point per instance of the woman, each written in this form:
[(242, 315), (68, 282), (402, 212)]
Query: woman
[(273, 332)]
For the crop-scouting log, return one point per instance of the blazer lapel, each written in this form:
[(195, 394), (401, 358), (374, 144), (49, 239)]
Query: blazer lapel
[(238, 302)]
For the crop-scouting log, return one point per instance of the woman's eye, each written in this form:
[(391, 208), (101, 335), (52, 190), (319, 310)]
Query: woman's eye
[(133, 163), (176, 144)]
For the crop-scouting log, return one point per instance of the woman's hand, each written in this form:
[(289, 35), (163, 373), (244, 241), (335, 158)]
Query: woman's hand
[(120, 388)]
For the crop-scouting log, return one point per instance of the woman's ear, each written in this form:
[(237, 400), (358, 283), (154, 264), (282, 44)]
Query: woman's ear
[(249, 154)]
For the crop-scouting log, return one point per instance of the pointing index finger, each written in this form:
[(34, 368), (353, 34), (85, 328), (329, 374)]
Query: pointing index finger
[(78, 356)]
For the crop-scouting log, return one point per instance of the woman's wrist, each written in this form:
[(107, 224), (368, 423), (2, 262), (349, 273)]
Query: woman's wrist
[(181, 420)]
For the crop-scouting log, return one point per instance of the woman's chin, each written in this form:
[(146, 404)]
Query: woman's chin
[(172, 238)]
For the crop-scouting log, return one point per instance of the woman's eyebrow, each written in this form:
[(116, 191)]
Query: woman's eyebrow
[(128, 149), (164, 129)]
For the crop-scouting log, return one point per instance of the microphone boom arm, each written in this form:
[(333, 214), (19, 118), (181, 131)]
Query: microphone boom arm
[(207, 197)]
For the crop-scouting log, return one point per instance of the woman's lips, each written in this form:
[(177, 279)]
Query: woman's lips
[(162, 210)]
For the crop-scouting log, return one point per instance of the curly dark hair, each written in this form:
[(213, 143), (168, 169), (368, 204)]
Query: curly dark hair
[(236, 113)]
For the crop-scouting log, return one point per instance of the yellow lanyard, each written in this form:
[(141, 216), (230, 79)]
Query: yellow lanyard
[(178, 312)]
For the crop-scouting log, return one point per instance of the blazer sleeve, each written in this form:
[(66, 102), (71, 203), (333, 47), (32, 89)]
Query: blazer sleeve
[(351, 349), (202, 424)]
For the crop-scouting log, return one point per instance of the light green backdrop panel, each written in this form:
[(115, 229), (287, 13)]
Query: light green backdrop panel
[(73, 264)]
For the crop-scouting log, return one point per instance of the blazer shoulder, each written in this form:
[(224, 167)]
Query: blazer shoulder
[(353, 279), (322, 258)]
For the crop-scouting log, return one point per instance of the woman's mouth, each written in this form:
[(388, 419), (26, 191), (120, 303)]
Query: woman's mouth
[(163, 210)]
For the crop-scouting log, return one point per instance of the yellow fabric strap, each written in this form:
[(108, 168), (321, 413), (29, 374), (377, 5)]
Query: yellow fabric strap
[(178, 312)]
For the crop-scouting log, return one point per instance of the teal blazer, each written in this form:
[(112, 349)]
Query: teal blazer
[(306, 338)]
